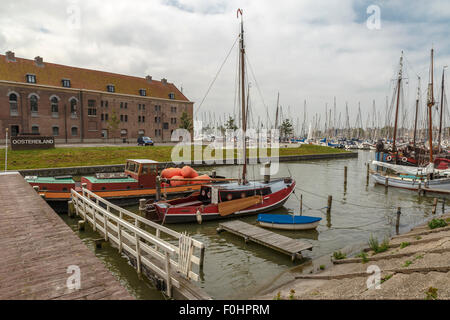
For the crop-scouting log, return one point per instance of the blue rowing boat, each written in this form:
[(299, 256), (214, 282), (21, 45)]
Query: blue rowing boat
[(288, 222)]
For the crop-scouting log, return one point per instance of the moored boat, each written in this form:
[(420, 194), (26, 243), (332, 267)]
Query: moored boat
[(288, 222)]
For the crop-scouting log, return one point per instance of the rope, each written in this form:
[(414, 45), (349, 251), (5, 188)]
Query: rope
[(215, 77)]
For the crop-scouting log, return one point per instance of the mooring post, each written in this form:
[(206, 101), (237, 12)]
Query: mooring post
[(142, 206), (158, 188), (435, 201), (301, 204), (386, 182), (368, 169), (419, 188), (345, 175), (397, 223), (202, 257), (267, 172), (81, 225), (330, 199), (443, 205), (36, 188), (70, 209)]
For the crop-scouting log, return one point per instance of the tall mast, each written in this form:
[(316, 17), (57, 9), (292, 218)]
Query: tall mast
[(430, 104), (276, 112), (399, 82), (442, 111), (244, 120), (415, 119)]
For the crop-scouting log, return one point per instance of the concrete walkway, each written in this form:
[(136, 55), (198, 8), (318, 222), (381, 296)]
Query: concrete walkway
[(416, 265)]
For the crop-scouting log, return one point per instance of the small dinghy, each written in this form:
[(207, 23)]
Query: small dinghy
[(288, 222)]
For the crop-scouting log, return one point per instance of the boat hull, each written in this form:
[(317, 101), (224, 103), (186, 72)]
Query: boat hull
[(285, 226), (437, 185)]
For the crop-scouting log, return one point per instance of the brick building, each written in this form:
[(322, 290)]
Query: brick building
[(79, 105)]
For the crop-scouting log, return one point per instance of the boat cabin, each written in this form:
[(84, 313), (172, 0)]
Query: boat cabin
[(138, 174), (231, 191)]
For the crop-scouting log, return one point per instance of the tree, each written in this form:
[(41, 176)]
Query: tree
[(113, 124), (186, 121), (230, 125), (286, 128)]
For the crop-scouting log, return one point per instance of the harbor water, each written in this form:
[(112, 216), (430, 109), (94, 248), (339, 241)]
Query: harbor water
[(236, 270)]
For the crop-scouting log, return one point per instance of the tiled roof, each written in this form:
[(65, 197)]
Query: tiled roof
[(52, 74)]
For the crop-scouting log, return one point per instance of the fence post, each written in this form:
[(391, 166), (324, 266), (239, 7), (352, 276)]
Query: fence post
[(345, 175), (168, 279), (106, 223), (435, 201), (397, 223), (138, 250), (330, 199)]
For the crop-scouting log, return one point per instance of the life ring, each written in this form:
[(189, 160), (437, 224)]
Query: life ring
[(388, 158), (404, 159)]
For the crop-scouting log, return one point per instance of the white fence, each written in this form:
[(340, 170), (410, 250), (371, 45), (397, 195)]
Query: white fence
[(160, 256)]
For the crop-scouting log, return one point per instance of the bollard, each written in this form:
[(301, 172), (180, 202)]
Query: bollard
[(81, 225), (435, 201), (330, 199), (345, 175), (397, 224), (36, 188)]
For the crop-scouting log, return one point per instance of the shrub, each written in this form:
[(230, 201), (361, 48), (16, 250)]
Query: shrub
[(363, 257), (437, 223), (291, 294), (322, 267), (407, 263), (376, 247), (431, 293), (338, 255)]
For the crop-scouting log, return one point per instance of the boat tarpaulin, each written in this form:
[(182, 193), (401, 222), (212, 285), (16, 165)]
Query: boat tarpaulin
[(417, 171)]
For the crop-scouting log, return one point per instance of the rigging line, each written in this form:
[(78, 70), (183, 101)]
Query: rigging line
[(256, 82), (215, 77)]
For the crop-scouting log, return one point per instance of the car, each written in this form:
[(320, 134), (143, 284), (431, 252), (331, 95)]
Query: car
[(145, 141)]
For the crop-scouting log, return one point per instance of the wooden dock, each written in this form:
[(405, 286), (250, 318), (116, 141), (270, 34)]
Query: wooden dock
[(278, 242), (39, 251)]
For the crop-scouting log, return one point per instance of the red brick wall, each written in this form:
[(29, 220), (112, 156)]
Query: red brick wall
[(89, 127)]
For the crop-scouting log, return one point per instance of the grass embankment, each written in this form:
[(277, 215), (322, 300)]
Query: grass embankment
[(91, 156)]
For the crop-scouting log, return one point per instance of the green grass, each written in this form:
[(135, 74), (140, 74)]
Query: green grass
[(386, 278), (437, 223), (407, 263), (322, 267), (363, 257), (90, 156), (404, 245), (376, 247), (431, 293)]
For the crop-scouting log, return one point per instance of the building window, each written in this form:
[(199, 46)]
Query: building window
[(106, 117), (157, 108), (66, 83), (110, 88), (126, 105), (165, 125), (74, 131), (139, 118), (92, 110), (73, 108), (34, 104), (156, 132), (143, 107), (121, 105), (31, 78), (143, 118), (171, 95), (102, 117), (121, 117), (55, 131), (139, 106), (173, 109), (143, 92), (35, 129), (101, 103), (13, 109), (106, 104), (54, 106), (173, 120)]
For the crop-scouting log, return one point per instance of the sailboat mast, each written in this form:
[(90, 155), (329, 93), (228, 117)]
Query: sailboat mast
[(394, 149), (415, 119), (244, 116), (430, 104), (442, 111)]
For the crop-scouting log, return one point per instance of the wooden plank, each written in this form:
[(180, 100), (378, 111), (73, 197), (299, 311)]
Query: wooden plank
[(37, 264), (265, 237)]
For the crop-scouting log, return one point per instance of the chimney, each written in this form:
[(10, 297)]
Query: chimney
[(39, 61), (164, 81), (149, 79), (10, 56)]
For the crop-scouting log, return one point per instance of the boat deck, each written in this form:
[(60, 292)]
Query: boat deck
[(40, 251), (275, 241)]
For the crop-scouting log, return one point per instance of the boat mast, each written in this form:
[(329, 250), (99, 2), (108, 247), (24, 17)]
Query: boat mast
[(442, 111), (399, 82), (244, 116), (415, 119), (430, 104)]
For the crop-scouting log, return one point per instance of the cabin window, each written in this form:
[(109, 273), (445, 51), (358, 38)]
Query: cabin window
[(149, 169), (131, 166)]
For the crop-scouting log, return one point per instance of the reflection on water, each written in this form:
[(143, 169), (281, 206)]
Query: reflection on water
[(236, 270)]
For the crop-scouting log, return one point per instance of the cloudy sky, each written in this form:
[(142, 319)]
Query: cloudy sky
[(306, 50)]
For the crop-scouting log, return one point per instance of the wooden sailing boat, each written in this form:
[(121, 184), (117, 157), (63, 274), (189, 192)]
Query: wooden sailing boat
[(414, 178), (222, 200)]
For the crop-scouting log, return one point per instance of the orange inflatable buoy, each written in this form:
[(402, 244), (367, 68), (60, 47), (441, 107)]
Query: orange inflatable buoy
[(201, 179), (170, 172), (177, 183), (188, 172)]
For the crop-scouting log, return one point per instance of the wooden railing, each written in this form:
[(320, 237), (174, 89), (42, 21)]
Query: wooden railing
[(130, 233)]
